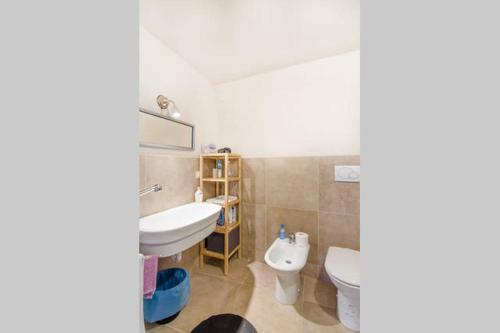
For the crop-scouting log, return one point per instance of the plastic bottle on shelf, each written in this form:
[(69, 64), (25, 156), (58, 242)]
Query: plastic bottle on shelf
[(230, 216), (235, 214), (198, 195), (219, 168), (221, 218)]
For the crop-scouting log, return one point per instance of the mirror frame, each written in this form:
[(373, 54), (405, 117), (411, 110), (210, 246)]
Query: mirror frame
[(156, 145)]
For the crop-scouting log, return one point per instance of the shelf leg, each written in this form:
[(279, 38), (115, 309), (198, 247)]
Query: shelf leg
[(240, 214), (226, 220), (202, 243), (226, 253), (226, 266)]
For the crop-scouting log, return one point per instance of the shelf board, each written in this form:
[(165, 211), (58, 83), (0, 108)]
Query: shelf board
[(220, 156), (221, 180), (229, 228), (218, 255), (213, 254), (234, 251), (230, 203)]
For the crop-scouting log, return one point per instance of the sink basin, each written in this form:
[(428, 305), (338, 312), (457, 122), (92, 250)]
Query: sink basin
[(174, 230)]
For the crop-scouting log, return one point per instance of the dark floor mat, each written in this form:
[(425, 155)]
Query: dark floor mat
[(225, 323)]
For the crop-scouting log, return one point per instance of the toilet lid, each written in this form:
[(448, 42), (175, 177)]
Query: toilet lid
[(343, 264)]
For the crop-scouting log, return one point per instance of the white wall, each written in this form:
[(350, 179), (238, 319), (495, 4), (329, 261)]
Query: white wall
[(307, 109), (302, 110), (163, 72)]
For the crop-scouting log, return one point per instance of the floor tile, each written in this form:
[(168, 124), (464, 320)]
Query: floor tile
[(209, 296), (320, 292), (163, 329), (238, 269), (261, 276), (249, 292), (259, 307), (320, 319)]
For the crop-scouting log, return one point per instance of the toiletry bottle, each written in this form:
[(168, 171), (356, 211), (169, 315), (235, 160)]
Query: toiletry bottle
[(230, 215), (221, 218), (219, 168), (198, 195), (282, 232)]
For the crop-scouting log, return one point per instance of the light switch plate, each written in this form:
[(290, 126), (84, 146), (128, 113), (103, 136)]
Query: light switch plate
[(347, 173)]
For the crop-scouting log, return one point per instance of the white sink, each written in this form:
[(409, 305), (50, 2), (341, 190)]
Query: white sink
[(174, 230)]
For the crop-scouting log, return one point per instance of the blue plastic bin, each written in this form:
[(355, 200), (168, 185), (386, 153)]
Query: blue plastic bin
[(171, 295)]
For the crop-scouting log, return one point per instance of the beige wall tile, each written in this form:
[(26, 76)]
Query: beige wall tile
[(311, 270), (298, 192), (292, 183), (337, 197), (143, 206), (294, 221), (254, 231), (254, 180), (189, 260), (337, 230), (177, 177), (323, 275), (142, 171)]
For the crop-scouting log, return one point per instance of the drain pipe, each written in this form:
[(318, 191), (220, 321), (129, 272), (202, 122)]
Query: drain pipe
[(177, 257)]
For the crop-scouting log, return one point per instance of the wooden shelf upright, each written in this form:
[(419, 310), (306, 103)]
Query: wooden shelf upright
[(230, 232)]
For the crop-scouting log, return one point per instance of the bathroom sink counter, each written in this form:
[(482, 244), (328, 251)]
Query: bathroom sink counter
[(172, 231)]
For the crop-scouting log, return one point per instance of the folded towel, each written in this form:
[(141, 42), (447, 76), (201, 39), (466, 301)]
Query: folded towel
[(150, 270), (220, 200)]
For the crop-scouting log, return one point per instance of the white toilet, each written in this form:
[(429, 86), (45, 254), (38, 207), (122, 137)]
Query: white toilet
[(342, 266), (287, 257)]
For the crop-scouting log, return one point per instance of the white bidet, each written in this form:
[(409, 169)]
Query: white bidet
[(287, 257)]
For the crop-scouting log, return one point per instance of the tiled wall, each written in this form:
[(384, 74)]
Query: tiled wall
[(177, 177), (301, 193)]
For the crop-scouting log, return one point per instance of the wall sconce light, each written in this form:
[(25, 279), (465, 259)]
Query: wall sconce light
[(169, 105)]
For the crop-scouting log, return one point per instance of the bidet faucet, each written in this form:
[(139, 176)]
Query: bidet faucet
[(291, 238), (154, 188)]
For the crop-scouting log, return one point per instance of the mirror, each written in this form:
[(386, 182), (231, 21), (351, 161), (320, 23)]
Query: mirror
[(159, 131)]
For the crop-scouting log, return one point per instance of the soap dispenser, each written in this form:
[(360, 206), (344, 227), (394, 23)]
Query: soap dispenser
[(198, 195), (282, 232)]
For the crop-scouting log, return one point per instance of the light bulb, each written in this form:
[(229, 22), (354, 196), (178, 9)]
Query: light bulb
[(173, 112)]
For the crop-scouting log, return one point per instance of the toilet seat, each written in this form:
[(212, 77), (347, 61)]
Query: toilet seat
[(343, 265)]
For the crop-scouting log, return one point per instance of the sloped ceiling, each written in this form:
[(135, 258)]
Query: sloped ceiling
[(226, 40)]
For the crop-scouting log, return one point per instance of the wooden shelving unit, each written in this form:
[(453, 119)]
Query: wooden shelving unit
[(221, 180), (222, 187)]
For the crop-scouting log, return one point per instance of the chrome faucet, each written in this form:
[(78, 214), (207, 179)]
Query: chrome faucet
[(154, 188), (291, 238)]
